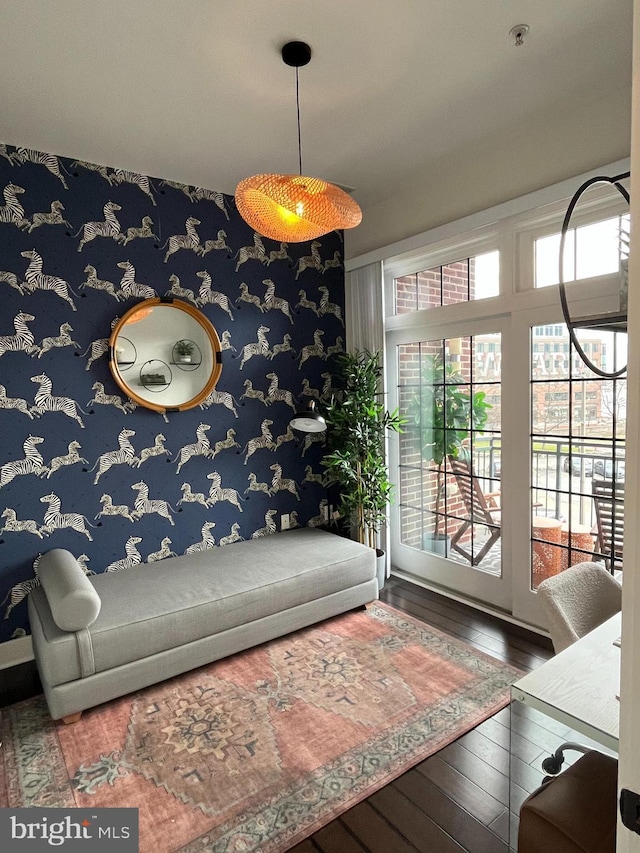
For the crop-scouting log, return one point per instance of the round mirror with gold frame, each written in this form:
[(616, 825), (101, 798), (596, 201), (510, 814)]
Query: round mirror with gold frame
[(165, 354)]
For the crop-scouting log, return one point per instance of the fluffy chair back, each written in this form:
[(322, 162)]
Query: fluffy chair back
[(577, 600)]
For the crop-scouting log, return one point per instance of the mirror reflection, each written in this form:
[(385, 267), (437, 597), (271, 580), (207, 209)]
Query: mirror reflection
[(165, 354)]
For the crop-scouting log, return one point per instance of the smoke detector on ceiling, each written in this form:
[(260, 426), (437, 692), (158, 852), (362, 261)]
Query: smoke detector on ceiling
[(518, 33)]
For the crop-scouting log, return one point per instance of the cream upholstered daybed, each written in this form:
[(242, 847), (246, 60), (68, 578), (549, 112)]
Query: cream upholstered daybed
[(96, 638)]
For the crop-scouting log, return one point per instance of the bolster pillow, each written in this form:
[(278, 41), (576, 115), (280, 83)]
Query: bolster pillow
[(73, 601)]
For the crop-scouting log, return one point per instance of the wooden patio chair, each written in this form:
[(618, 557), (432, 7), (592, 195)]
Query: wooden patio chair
[(482, 508), (608, 497)]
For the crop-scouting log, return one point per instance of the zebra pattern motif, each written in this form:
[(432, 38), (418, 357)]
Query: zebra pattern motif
[(129, 287), (189, 240), (220, 398), (219, 493), (12, 211), (181, 292), (11, 524), (132, 557), (259, 347), (111, 509), (200, 447), (32, 463), (109, 227), (71, 457), (257, 252), (207, 540), (164, 552), (124, 455), (269, 525), (225, 443), (18, 403), (23, 340), (273, 302), (144, 506), (52, 217), (101, 398), (144, 232), (96, 283), (219, 244), (36, 280), (65, 270), (207, 296), (264, 441), (40, 158), (119, 176), (63, 339), (56, 520), (45, 401)]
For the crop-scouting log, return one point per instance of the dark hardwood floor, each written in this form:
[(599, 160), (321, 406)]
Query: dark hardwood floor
[(457, 800)]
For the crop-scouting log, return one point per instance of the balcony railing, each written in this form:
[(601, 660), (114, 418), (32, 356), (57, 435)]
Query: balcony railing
[(560, 477)]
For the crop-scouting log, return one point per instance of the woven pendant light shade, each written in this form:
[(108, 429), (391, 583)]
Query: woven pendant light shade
[(295, 208)]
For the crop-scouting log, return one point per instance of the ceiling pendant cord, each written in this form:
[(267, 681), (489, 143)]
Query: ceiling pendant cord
[(298, 116)]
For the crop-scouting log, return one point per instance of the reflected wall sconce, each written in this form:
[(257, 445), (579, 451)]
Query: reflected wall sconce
[(308, 419), (295, 208)]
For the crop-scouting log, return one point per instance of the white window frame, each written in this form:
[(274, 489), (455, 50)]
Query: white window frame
[(519, 307)]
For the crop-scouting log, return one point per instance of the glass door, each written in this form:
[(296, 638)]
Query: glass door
[(448, 509)]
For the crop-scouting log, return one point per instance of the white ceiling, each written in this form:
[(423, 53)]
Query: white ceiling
[(196, 91)]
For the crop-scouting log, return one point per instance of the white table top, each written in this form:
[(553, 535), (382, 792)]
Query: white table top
[(580, 686)]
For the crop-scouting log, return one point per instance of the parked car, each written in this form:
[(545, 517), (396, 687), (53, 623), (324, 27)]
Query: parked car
[(578, 465), (604, 468)]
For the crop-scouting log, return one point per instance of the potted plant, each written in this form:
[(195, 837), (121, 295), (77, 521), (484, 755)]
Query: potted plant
[(184, 351), (444, 411), (357, 423)]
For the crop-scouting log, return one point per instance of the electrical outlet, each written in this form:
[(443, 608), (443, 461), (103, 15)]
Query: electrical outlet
[(285, 521)]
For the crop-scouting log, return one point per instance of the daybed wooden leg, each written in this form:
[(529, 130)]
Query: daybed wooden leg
[(72, 718)]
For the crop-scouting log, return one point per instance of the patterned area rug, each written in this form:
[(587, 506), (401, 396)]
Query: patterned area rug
[(258, 751)]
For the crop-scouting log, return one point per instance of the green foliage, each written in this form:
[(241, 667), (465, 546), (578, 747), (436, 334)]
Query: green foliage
[(445, 411), (184, 347), (357, 422)]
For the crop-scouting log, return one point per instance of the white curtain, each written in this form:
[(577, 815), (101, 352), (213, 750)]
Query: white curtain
[(364, 308), (364, 319)]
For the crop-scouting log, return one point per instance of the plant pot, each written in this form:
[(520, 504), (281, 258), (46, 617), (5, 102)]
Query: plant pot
[(436, 543), (381, 567), (184, 359)]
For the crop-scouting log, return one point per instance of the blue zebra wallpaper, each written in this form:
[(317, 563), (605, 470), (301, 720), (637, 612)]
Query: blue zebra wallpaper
[(81, 466)]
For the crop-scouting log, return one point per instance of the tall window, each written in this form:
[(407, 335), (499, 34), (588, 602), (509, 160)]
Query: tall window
[(578, 422)]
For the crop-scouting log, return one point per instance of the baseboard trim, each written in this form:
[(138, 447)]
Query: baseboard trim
[(471, 602), (15, 652)]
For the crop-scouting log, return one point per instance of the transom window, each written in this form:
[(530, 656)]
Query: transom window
[(589, 251), (465, 280)]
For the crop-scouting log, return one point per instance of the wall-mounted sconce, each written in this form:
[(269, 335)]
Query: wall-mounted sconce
[(308, 419)]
